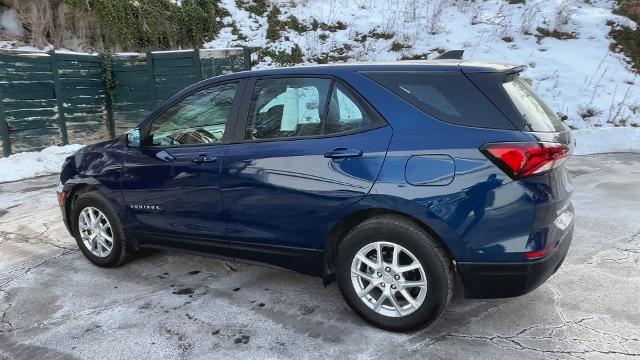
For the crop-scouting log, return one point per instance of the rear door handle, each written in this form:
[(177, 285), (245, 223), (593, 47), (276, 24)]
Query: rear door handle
[(341, 153), (202, 158)]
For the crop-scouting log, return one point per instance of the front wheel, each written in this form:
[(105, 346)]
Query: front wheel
[(393, 274), (98, 231)]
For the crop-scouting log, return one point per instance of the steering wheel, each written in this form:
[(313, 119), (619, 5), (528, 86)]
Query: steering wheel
[(199, 136)]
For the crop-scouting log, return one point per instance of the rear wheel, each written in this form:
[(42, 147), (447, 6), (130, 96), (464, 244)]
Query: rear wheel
[(98, 231), (393, 274)]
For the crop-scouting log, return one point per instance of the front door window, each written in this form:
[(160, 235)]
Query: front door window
[(199, 118)]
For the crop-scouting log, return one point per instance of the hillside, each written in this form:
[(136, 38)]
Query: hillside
[(564, 43), (567, 45)]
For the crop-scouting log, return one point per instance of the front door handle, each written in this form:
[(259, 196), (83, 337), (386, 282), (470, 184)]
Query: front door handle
[(341, 153), (202, 158)]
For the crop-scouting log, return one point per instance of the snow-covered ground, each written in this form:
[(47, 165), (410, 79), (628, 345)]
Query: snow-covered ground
[(48, 161), (607, 140), (580, 77), (30, 164)]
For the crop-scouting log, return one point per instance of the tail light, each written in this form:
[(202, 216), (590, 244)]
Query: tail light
[(532, 255), (520, 160)]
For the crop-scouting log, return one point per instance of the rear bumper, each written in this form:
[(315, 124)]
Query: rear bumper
[(485, 280)]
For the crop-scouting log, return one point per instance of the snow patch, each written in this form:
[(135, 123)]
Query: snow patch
[(10, 23), (30, 164), (606, 140)]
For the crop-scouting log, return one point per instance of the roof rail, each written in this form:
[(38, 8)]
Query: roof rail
[(451, 54)]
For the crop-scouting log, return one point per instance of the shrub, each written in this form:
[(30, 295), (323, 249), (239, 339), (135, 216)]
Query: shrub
[(282, 57), (257, 7), (423, 56), (116, 25), (336, 54), (398, 46), (627, 41), (333, 27), (628, 8), (235, 30), (555, 33), (589, 112), (274, 25), (294, 24)]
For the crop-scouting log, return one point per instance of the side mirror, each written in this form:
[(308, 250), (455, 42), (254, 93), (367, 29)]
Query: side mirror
[(133, 138)]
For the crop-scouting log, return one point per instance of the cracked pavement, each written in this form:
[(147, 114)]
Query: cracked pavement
[(56, 305)]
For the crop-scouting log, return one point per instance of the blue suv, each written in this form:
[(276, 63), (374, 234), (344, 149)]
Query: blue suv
[(392, 179)]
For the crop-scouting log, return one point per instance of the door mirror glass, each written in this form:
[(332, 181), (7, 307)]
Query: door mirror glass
[(133, 138)]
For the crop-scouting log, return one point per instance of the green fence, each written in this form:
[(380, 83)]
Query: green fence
[(60, 98)]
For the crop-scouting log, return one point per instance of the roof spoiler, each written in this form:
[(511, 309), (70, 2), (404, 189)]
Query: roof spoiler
[(451, 54), (516, 69)]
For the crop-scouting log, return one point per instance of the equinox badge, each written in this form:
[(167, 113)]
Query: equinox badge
[(145, 207)]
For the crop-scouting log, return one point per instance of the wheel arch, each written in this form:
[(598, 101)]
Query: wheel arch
[(74, 188), (72, 196), (351, 220)]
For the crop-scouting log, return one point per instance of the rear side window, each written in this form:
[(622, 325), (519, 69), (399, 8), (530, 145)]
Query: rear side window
[(344, 113), (448, 97), (532, 109)]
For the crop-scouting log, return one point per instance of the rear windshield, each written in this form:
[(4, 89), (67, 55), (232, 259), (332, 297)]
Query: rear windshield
[(533, 110), (448, 97)]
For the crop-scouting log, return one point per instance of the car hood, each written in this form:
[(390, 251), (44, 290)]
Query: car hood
[(103, 145)]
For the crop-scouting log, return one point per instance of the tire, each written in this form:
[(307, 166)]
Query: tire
[(119, 251), (394, 233)]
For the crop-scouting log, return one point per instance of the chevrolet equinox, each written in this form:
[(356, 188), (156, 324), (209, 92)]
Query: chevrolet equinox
[(392, 179)]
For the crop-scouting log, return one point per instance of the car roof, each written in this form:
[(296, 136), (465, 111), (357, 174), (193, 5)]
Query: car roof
[(443, 65)]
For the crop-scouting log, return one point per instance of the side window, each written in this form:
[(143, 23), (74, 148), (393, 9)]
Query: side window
[(449, 97), (287, 107), (345, 113), (199, 118)]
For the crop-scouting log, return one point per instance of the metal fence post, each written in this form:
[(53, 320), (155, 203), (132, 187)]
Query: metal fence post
[(152, 78), (4, 129), (197, 64), (246, 52), (58, 93)]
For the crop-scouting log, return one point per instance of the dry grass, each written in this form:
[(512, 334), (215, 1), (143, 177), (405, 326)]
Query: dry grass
[(53, 22), (630, 9)]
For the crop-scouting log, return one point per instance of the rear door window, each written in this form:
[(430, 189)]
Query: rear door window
[(532, 109), (344, 113), (294, 107), (288, 107), (448, 97)]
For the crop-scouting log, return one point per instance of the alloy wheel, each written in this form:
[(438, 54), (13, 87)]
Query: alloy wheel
[(389, 279), (95, 231)]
